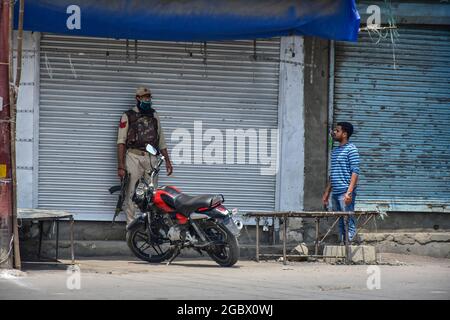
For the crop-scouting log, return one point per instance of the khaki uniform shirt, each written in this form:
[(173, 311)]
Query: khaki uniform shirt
[(123, 130)]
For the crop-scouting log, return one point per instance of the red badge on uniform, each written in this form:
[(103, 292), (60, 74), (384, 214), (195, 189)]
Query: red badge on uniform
[(123, 124)]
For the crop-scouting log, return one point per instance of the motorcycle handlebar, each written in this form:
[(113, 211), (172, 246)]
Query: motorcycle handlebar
[(154, 171)]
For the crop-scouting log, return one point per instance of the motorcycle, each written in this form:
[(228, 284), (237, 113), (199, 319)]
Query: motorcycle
[(171, 220)]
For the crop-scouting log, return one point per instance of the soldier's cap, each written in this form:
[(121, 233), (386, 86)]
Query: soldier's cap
[(142, 91)]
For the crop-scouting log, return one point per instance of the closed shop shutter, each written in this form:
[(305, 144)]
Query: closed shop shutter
[(87, 83), (401, 117)]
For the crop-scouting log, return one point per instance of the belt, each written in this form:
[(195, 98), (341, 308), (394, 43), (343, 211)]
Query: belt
[(137, 151)]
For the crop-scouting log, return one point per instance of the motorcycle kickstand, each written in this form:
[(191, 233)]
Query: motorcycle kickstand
[(177, 252)]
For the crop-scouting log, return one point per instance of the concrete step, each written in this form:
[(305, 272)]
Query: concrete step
[(358, 254)]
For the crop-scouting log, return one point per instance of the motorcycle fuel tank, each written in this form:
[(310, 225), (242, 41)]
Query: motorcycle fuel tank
[(164, 198)]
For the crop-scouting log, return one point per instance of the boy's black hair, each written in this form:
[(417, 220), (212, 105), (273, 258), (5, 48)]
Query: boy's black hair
[(347, 127)]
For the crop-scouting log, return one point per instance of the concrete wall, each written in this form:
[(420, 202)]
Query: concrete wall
[(290, 178), (434, 244), (104, 231), (316, 120), (27, 122), (315, 89)]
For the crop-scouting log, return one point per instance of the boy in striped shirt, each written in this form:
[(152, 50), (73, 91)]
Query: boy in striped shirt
[(344, 177)]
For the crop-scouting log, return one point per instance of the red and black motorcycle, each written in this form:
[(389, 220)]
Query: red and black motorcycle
[(172, 220)]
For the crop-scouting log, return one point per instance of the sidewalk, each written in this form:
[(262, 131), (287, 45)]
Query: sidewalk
[(401, 277)]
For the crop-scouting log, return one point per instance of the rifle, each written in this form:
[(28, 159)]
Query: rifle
[(123, 190)]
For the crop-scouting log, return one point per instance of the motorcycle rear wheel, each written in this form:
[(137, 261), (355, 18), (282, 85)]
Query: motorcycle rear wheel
[(227, 253), (139, 244)]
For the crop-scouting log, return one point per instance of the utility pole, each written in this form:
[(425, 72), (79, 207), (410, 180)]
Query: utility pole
[(14, 93), (9, 234), (6, 207)]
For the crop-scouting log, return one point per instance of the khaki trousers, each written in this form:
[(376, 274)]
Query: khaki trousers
[(136, 166)]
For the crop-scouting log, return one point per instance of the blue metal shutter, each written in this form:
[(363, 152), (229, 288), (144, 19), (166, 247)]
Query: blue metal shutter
[(401, 117)]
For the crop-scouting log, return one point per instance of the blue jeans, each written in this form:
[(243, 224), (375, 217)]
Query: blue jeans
[(339, 205)]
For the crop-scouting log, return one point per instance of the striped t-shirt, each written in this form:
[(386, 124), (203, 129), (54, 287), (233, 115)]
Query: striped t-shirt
[(344, 161)]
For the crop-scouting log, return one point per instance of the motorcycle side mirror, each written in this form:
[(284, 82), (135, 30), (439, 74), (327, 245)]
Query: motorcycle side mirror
[(150, 149)]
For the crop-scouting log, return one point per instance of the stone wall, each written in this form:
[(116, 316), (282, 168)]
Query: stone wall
[(436, 244)]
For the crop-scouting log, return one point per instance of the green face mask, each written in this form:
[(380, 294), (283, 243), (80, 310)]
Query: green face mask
[(145, 105)]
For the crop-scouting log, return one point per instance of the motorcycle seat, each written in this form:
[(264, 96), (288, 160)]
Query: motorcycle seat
[(187, 204)]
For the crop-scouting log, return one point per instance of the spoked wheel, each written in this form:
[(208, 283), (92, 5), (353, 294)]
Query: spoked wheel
[(151, 250), (226, 250)]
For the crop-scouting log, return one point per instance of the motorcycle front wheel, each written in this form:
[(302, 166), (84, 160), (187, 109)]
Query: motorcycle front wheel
[(226, 251), (151, 250)]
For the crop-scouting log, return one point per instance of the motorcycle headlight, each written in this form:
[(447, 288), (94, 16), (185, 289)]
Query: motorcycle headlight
[(140, 190)]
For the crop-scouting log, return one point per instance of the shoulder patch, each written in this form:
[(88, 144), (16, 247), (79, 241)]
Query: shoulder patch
[(122, 124)]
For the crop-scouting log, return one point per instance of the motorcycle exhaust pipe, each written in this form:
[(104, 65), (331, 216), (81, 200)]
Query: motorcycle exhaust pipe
[(238, 222)]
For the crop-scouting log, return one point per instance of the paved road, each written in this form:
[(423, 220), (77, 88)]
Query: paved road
[(401, 277)]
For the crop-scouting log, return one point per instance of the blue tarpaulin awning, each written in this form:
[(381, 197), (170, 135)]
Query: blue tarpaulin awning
[(194, 20)]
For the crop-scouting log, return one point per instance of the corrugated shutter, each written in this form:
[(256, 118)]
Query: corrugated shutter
[(86, 84), (401, 116)]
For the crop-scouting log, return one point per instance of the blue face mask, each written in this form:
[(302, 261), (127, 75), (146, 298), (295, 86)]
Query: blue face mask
[(145, 105)]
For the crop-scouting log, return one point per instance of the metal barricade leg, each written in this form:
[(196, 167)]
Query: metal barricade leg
[(57, 239), (71, 240), (257, 239), (316, 250), (41, 231), (347, 243), (284, 239)]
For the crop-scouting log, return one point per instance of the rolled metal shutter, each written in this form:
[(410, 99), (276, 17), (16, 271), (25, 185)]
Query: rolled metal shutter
[(401, 117), (87, 83)]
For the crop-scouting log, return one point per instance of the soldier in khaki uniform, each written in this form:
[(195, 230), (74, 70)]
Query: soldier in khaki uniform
[(138, 127)]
